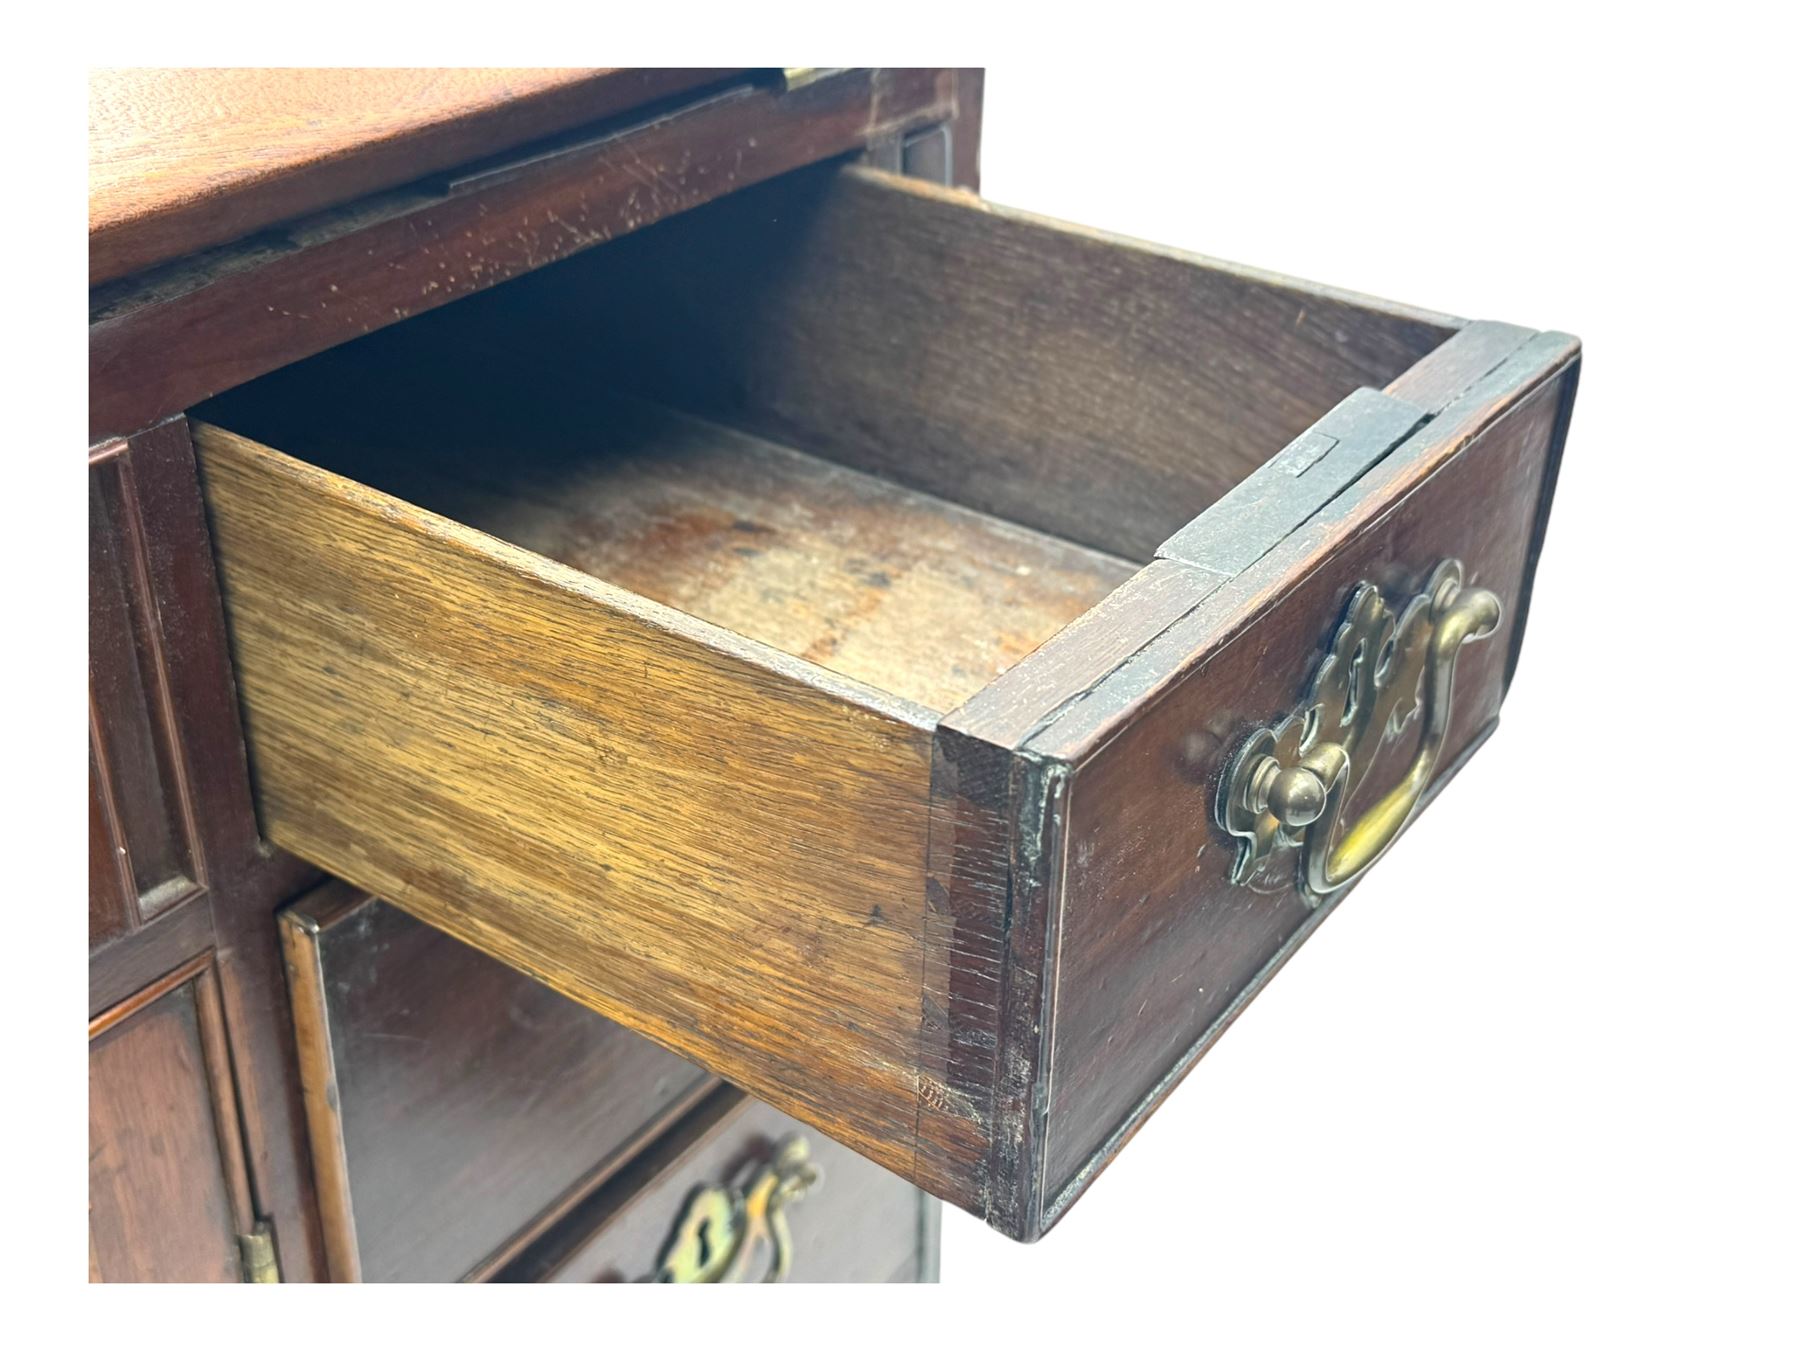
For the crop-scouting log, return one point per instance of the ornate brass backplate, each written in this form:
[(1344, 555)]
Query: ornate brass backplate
[(1288, 783), (725, 1231)]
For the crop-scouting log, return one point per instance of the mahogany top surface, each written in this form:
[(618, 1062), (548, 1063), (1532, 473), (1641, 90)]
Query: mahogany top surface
[(181, 160)]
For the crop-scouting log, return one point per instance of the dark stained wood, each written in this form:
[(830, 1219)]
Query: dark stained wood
[(192, 831), (161, 343), (1152, 950), (859, 1225), (120, 969), (167, 1191), (160, 673), (899, 590), (457, 1106), (1448, 373), (143, 806), (182, 160), (1098, 389), (965, 130), (887, 896)]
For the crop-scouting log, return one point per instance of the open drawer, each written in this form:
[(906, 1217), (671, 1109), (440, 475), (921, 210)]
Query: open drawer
[(926, 664)]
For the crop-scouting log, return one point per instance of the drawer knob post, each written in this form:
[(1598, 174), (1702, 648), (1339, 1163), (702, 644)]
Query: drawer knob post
[(1289, 782)]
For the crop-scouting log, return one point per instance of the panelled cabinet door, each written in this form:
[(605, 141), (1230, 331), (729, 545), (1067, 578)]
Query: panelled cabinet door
[(168, 1195)]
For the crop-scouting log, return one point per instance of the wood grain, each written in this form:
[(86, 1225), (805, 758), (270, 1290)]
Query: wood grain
[(167, 1190), (163, 341), (143, 802), (975, 947), (858, 1225), (705, 840), (899, 590), (1096, 388), (171, 763), (183, 159), (458, 1107), (1155, 952)]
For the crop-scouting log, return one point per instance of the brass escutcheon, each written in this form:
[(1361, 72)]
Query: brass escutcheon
[(723, 1228), (1289, 782)]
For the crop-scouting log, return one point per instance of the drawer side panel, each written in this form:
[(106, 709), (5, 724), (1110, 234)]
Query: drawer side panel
[(712, 845)]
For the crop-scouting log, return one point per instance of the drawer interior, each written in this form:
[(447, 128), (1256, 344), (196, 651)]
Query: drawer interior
[(684, 624), (887, 585), (881, 428)]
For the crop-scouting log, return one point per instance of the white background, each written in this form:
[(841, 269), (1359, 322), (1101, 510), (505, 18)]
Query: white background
[(1538, 1072), (1535, 1080)]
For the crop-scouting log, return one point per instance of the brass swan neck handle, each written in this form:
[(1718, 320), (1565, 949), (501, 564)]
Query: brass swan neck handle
[(1289, 784)]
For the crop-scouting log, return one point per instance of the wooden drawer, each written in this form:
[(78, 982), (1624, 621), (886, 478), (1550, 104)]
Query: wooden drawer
[(824, 631), (457, 1108), (696, 1207)]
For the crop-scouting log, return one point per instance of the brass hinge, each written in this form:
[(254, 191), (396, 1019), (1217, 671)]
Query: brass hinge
[(257, 1250)]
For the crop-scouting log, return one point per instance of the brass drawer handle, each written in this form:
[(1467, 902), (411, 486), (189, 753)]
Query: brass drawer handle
[(1288, 783), (722, 1228)]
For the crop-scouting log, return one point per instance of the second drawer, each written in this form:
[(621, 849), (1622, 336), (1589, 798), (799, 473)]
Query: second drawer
[(456, 1108)]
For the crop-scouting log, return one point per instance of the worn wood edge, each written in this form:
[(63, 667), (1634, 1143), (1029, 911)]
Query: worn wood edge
[(300, 932), (1027, 696), (1025, 699), (201, 971), (1256, 276), (1444, 374), (1559, 435), (717, 1110), (121, 1011), (164, 717), (221, 1082), (125, 242), (250, 463), (1058, 1205), (280, 289), (1488, 391), (1488, 405), (1086, 725), (304, 922), (215, 440), (1305, 475), (131, 961), (590, 1182)]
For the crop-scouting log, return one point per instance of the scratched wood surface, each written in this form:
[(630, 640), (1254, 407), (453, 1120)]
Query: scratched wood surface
[(859, 1225), (163, 340), (158, 658), (168, 1191), (182, 159), (1157, 948), (900, 590), (759, 836), (1096, 388), (457, 1107), (708, 841)]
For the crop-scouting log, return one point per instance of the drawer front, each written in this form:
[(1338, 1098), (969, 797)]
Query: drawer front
[(976, 942), (1141, 923), (696, 1208), (456, 1106)]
